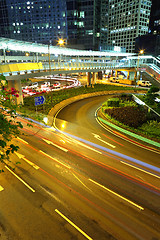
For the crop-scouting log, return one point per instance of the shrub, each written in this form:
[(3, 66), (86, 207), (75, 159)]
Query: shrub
[(131, 116), (113, 102), (126, 97)]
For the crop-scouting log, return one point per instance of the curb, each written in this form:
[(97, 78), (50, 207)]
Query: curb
[(66, 102), (129, 133)]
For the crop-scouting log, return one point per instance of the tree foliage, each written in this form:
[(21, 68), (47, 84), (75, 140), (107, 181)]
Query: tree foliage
[(151, 95), (9, 125)]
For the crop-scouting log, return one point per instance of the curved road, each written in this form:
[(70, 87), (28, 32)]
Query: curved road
[(84, 184)]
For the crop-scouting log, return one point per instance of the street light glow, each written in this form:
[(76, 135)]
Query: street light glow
[(61, 41), (141, 51)]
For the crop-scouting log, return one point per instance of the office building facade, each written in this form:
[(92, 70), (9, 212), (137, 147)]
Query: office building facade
[(83, 21), (127, 20), (36, 21), (87, 24)]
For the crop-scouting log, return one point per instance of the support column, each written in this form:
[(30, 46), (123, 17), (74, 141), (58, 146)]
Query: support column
[(17, 85), (132, 75), (111, 73), (4, 53), (94, 78), (127, 74), (100, 75), (36, 57), (89, 76)]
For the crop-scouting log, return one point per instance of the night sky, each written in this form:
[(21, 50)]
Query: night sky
[(155, 12)]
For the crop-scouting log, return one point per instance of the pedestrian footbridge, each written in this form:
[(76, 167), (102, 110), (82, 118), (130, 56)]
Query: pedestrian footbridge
[(21, 60)]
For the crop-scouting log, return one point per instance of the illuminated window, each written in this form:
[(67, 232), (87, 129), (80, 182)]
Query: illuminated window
[(82, 14)]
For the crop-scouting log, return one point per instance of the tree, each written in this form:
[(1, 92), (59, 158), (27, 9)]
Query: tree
[(9, 125), (151, 95)]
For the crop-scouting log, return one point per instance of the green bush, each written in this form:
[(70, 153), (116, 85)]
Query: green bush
[(52, 98), (151, 128), (130, 116), (113, 102)]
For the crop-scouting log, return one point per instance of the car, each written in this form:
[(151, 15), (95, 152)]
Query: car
[(114, 79), (33, 85), (143, 83)]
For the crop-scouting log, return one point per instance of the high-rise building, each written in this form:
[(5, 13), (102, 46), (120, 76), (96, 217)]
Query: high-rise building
[(83, 21), (127, 20), (40, 21), (151, 41), (87, 24)]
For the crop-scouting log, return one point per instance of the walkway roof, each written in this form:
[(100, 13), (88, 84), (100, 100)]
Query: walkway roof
[(16, 45)]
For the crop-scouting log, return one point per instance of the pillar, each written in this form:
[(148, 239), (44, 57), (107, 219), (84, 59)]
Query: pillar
[(89, 76), (94, 78), (100, 75), (111, 73), (116, 73), (36, 57), (132, 75), (17, 85), (4, 53), (127, 74)]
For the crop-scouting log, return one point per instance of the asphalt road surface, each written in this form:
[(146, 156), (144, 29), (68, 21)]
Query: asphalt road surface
[(83, 181)]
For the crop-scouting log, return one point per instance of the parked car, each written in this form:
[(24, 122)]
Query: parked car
[(114, 79), (143, 83)]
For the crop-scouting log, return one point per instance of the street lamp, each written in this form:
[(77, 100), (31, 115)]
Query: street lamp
[(140, 53), (61, 42)]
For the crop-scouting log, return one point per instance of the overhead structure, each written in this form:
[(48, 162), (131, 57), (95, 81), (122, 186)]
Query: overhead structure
[(22, 46)]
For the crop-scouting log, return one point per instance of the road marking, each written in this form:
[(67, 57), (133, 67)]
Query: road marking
[(1, 188), (20, 179), (75, 226), (99, 138), (136, 205), (49, 142), (81, 182), (55, 159), (140, 169), (84, 145), (22, 140), (28, 161), (120, 135)]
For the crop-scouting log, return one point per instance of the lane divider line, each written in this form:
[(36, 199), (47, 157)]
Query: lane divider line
[(140, 169), (55, 159), (75, 226), (22, 140), (50, 142), (136, 205), (20, 179), (81, 181)]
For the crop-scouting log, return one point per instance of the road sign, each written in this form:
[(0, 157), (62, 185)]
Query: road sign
[(39, 100)]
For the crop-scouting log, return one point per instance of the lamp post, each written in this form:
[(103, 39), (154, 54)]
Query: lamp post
[(61, 42), (140, 53), (49, 58)]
